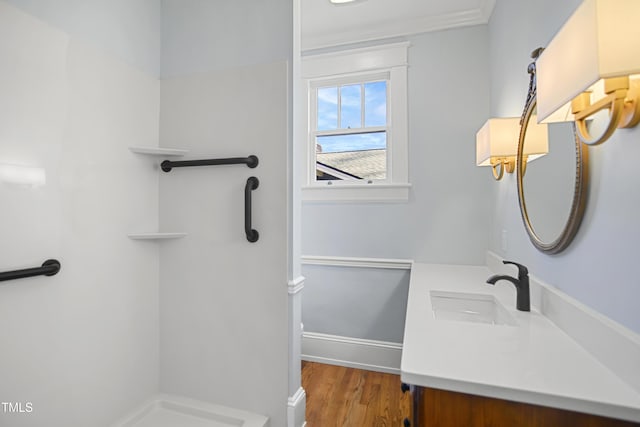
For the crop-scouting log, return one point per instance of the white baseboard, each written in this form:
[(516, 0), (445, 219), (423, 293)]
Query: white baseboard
[(296, 407), (379, 356)]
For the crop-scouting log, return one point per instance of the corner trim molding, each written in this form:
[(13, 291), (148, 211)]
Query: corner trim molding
[(296, 285), (379, 356), (296, 406), (297, 397), (336, 261)]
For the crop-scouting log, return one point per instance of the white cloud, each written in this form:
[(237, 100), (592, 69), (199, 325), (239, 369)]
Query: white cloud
[(328, 95)]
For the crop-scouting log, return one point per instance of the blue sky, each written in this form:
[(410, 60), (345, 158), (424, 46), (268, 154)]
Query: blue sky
[(357, 142), (351, 104)]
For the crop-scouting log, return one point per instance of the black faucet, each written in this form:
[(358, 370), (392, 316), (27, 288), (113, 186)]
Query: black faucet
[(521, 283)]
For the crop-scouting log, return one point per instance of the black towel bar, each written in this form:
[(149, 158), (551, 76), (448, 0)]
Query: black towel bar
[(252, 184), (49, 268), (251, 161)]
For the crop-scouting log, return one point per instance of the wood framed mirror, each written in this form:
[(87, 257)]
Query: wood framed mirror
[(552, 190)]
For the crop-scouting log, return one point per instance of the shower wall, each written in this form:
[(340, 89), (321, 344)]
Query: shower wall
[(223, 300), (79, 86), (223, 304), (81, 347)]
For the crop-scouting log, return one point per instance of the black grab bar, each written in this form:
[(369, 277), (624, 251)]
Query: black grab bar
[(251, 161), (49, 268), (252, 184)]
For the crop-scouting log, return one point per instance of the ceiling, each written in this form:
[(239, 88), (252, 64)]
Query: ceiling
[(325, 24)]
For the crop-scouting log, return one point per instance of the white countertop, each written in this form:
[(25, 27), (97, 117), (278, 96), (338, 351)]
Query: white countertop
[(533, 362)]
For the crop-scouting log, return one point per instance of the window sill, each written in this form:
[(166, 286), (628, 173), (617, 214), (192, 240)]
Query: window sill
[(356, 193)]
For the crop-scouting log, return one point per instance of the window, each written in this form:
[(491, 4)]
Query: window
[(349, 126), (357, 125)]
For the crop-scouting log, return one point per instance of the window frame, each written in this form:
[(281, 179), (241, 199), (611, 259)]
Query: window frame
[(383, 62), (314, 133)]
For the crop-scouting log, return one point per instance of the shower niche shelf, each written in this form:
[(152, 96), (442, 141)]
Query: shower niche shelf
[(164, 152), (155, 236), (157, 151)]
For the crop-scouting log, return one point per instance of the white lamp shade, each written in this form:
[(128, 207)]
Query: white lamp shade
[(498, 138), (600, 40)]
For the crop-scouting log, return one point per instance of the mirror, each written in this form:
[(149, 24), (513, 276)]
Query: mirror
[(552, 189)]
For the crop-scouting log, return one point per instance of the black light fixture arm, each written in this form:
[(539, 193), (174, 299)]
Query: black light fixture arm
[(251, 161), (49, 268), (252, 184)]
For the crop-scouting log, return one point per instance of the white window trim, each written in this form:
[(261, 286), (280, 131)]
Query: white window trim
[(390, 59)]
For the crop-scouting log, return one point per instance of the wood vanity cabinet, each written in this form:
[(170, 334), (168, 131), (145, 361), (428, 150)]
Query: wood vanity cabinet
[(441, 408)]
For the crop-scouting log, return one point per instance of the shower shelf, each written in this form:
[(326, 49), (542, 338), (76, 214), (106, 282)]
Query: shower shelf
[(155, 236), (157, 151), (165, 152)]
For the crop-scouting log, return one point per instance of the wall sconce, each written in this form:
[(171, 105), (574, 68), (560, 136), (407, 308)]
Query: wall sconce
[(497, 144), (593, 64)]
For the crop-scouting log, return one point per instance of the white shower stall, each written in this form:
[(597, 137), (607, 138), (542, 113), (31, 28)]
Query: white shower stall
[(162, 308)]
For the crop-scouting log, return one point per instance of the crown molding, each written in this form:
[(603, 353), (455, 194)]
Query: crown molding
[(424, 24)]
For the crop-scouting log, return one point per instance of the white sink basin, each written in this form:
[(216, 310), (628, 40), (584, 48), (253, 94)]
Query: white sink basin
[(463, 307)]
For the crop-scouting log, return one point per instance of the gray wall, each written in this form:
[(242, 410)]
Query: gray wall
[(355, 302), (447, 219), (204, 35), (599, 268), (129, 29)]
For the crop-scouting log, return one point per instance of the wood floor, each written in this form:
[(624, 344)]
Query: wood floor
[(346, 397)]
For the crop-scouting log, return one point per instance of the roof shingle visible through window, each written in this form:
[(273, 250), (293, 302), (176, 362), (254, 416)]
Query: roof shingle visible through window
[(365, 164)]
